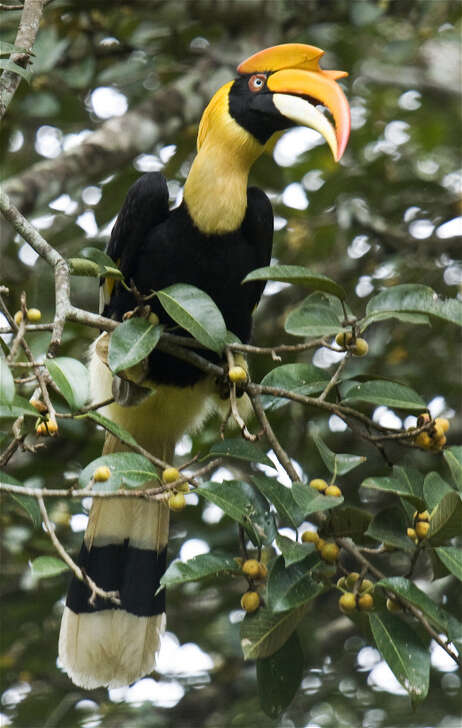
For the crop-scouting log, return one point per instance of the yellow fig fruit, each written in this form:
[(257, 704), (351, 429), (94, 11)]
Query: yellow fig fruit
[(101, 474), (333, 490), (18, 317), (318, 484), (330, 553), (177, 502), (422, 528), (251, 568), (237, 374), (310, 537), (170, 475), (393, 606), (250, 601), (347, 602), (344, 338), (34, 315), (366, 602), (360, 347)]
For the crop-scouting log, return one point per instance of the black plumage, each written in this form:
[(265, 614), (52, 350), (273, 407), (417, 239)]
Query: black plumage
[(156, 248)]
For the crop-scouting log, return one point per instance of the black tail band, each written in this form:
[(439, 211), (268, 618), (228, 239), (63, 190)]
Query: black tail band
[(134, 573)]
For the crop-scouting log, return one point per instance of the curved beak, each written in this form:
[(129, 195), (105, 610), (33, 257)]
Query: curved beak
[(296, 80)]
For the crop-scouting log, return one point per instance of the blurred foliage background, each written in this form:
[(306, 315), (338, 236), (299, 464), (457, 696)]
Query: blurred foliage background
[(389, 213)]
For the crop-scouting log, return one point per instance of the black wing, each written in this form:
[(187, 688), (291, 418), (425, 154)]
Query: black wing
[(145, 206), (258, 227)]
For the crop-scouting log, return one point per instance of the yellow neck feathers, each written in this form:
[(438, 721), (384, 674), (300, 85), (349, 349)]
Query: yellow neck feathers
[(216, 189)]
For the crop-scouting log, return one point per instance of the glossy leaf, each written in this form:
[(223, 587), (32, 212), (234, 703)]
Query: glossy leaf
[(131, 342), (417, 298), (453, 457), (408, 318), (7, 389), (415, 596), (310, 500), (17, 407), (128, 470), (381, 392), (264, 632), (46, 566), (292, 551), (240, 449), (313, 318), (199, 567), (290, 586), (115, 429), (281, 498), (303, 379), (451, 556), (196, 312), (336, 462), (446, 520), (298, 275), (389, 527), (434, 489), (27, 502), (279, 677), (71, 378), (402, 649), (405, 482)]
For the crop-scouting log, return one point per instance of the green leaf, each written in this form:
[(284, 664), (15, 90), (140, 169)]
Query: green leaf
[(264, 632), (7, 389), (237, 447), (409, 318), (120, 432), (279, 677), (71, 378), (416, 298), (311, 501), (100, 257), (292, 551), (336, 462), (435, 488), (9, 65), (244, 504), (45, 566), (131, 342), (405, 482), (453, 457), (17, 407), (451, 556), (347, 522), (83, 267), (196, 312), (281, 498), (402, 649), (389, 527), (127, 469), (199, 567), (303, 379), (27, 502), (415, 596), (381, 392), (446, 520), (298, 275), (290, 586), (315, 316), (7, 48)]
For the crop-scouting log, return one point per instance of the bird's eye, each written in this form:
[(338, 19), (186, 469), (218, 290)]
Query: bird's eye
[(257, 82)]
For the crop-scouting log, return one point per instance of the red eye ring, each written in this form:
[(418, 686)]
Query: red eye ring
[(257, 82)]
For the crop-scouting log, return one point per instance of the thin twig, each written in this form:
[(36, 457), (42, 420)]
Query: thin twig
[(335, 377), (95, 590)]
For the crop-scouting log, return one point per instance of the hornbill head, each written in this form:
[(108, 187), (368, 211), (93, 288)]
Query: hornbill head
[(278, 88)]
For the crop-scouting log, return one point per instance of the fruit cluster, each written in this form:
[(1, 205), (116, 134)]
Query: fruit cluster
[(355, 596), (434, 438), (33, 316), (421, 527), (347, 340), (176, 501), (328, 550), (322, 487), (254, 571)]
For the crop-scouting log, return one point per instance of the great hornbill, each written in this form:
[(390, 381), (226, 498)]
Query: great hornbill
[(221, 231)]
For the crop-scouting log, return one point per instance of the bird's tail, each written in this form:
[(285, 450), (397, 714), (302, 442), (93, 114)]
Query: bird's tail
[(124, 550)]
